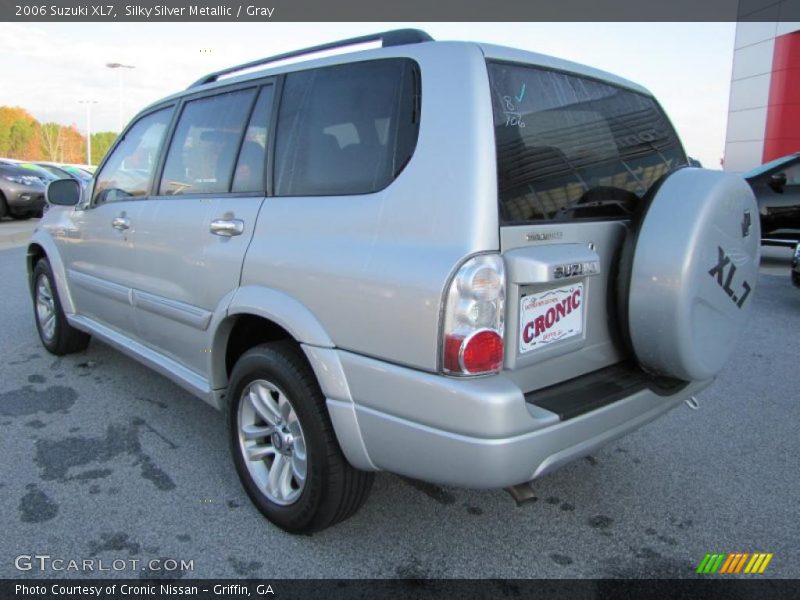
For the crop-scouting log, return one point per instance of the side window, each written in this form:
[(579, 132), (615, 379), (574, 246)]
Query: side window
[(347, 129), (128, 170), (249, 173), (203, 150)]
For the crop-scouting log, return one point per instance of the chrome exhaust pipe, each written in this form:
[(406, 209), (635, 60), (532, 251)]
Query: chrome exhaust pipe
[(693, 403)]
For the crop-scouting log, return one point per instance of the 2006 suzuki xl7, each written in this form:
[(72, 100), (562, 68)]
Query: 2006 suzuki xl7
[(459, 262)]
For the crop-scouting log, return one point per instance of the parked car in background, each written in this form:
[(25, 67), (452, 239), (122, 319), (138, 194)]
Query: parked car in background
[(62, 171), (33, 169), (776, 185), (21, 191)]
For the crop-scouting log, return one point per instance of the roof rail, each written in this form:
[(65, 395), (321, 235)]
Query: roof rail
[(396, 37)]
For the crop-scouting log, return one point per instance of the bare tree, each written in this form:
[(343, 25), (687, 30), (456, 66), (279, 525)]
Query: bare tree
[(52, 141)]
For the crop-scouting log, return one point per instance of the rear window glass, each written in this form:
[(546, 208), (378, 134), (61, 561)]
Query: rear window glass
[(573, 147), (347, 129)]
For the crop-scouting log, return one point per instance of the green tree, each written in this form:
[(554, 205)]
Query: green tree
[(101, 142), (18, 131)]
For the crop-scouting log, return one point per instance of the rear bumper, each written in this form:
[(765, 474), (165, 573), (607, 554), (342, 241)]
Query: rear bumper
[(478, 433)]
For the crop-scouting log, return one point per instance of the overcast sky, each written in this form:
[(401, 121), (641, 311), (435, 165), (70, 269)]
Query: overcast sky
[(49, 67)]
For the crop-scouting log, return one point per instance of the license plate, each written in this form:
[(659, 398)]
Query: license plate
[(550, 316)]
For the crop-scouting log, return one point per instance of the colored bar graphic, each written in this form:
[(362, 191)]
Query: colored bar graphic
[(757, 564), (730, 562), (703, 563), (733, 562), (741, 562), (717, 563), (765, 563), (752, 562)]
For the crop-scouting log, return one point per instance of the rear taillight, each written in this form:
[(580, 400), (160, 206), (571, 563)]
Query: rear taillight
[(473, 318)]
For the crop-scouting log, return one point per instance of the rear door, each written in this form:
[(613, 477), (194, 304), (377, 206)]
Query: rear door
[(575, 156), (194, 232)]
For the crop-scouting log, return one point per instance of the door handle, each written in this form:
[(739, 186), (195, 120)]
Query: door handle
[(121, 223), (227, 227)]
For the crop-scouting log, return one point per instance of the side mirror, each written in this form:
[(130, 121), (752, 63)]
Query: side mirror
[(777, 181), (63, 192)]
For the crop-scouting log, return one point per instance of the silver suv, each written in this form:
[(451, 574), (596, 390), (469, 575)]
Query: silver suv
[(459, 262)]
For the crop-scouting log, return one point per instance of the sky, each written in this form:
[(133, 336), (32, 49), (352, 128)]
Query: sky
[(48, 68)]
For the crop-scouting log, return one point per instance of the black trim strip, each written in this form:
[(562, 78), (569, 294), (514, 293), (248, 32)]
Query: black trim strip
[(589, 392)]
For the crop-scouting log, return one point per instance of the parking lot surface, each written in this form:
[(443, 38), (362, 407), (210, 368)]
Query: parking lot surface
[(16, 233), (102, 458)]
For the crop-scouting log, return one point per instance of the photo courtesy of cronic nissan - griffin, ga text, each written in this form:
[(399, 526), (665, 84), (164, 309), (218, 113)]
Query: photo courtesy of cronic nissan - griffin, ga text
[(458, 262)]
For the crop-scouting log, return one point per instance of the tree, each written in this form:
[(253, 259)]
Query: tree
[(18, 132), (73, 147), (101, 142), (51, 140)]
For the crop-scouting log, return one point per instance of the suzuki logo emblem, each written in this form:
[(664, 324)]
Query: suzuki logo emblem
[(747, 222)]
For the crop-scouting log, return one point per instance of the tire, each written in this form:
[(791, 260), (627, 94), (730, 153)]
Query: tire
[(277, 376), (689, 273), (56, 334), (21, 217), (3, 207)]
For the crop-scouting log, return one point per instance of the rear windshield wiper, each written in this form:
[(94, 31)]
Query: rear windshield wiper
[(602, 197)]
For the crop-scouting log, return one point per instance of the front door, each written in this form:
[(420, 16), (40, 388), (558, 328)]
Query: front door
[(99, 246)]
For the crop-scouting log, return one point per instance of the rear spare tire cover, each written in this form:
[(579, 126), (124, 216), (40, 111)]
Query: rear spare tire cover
[(693, 273)]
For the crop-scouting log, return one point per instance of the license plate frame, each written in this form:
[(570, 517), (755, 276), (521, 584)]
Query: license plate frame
[(550, 316)]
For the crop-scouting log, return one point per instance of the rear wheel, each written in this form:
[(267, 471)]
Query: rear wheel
[(56, 334), (21, 217), (3, 207), (283, 444)]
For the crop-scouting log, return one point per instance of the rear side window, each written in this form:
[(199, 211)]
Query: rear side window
[(127, 172), (347, 129), (205, 145), (573, 147), (249, 174)]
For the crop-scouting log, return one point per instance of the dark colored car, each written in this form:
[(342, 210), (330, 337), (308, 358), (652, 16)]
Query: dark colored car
[(796, 266), (21, 192), (776, 185)]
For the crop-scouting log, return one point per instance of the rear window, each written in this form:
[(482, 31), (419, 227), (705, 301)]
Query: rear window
[(574, 147), (347, 129)]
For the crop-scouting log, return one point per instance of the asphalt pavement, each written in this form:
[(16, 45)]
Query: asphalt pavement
[(104, 459), (16, 232)]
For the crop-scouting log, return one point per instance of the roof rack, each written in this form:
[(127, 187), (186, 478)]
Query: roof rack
[(396, 37)]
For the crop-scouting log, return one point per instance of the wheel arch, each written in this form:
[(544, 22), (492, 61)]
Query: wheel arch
[(256, 315), (42, 246)]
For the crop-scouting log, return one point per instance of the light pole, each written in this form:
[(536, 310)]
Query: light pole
[(119, 67), (88, 104)]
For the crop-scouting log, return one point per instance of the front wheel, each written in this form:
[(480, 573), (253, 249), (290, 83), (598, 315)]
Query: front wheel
[(56, 334), (283, 444)]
